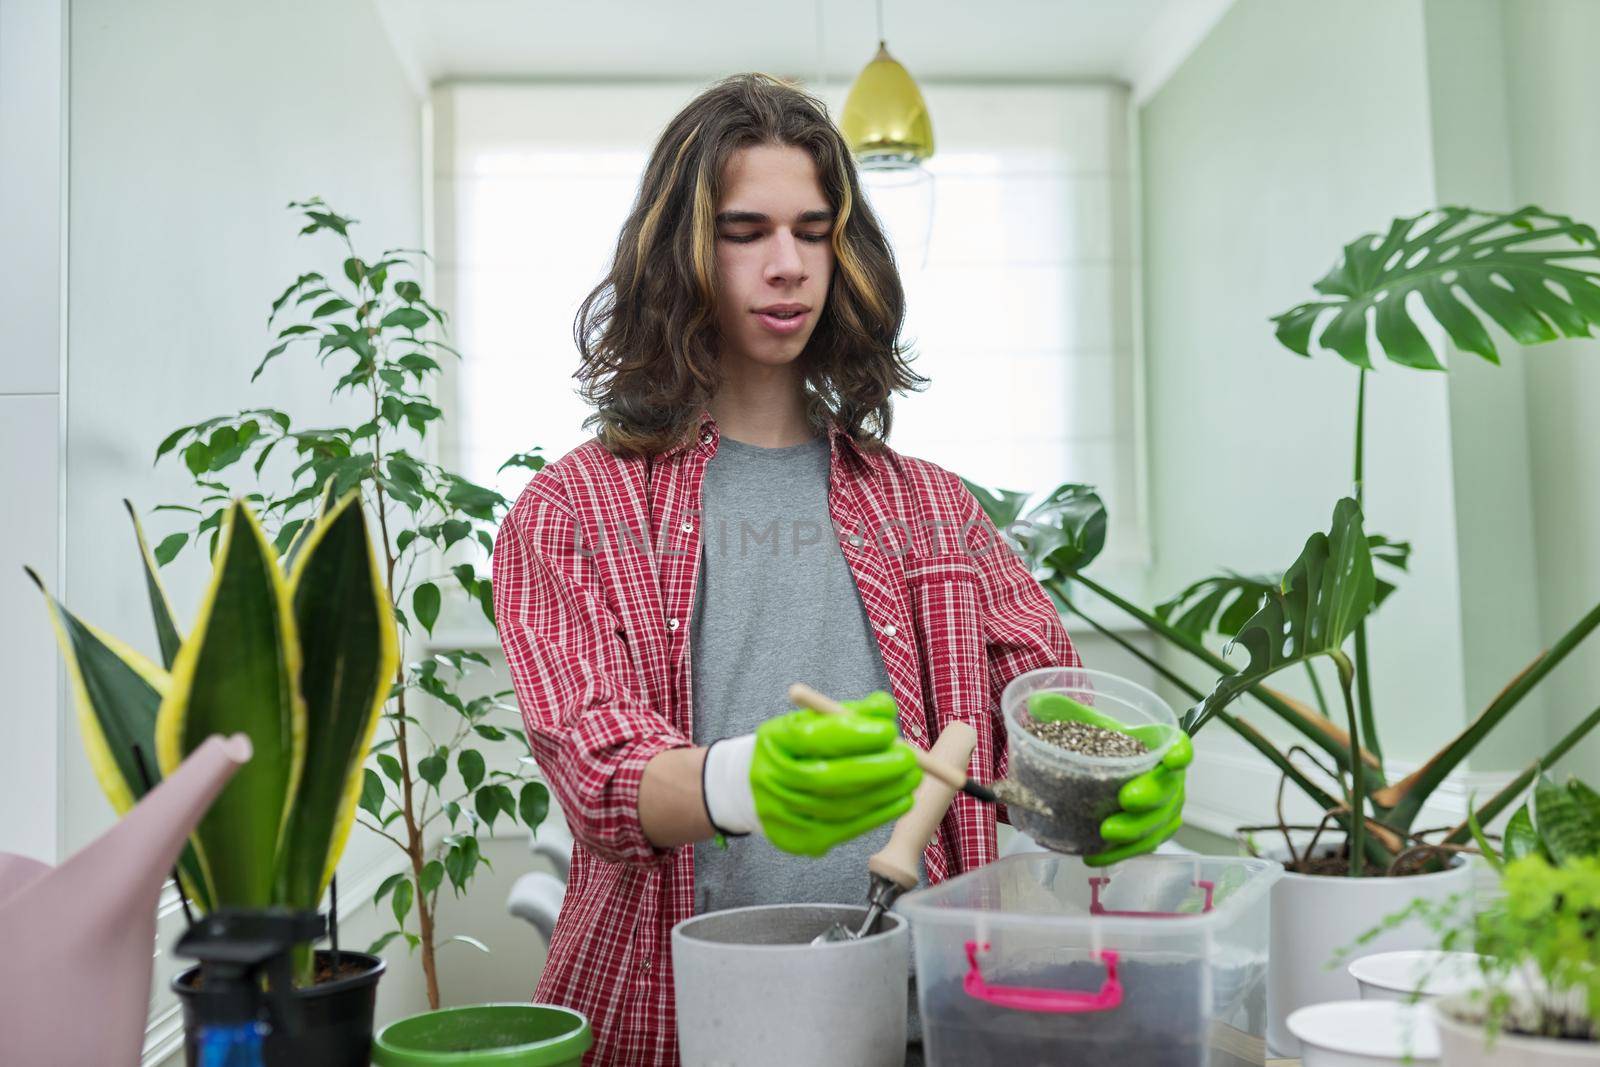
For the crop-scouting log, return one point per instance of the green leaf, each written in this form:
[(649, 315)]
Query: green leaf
[(489, 733), (1481, 840), (1062, 533), (431, 769), (470, 764), (425, 605), (1518, 268), (349, 654), (466, 940), (381, 943), (116, 693), (387, 884), (391, 768), (372, 794), (534, 804), (432, 875), (167, 635), (1325, 594), (402, 901), (330, 307), (1521, 839), (236, 673), (405, 318), (197, 457), (170, 441), (491, 800), (1563, 824), (1224, 603)]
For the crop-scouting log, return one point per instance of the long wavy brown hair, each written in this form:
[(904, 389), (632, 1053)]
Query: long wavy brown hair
[(648, 332)]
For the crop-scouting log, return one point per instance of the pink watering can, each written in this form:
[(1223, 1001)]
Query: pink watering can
[(87, 928)]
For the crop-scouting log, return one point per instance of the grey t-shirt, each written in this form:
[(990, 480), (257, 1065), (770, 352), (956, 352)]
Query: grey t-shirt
[(775, 603)]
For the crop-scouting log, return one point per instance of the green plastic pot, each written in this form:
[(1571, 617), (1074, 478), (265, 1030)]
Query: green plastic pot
[(504, 1035)]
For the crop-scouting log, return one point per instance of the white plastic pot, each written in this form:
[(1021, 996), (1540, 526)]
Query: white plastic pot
[(1427, 973), (1314, 916), (1364, 1033), (1464, 1044)]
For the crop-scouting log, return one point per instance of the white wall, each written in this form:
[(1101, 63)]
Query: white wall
[(32, 412), (1555, 139)]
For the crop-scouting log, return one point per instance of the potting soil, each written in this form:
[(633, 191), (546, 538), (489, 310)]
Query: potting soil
[(1160, 1022)]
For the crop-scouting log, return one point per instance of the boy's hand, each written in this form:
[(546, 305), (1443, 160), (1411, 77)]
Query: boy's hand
[(812, 780), (1152, 803)]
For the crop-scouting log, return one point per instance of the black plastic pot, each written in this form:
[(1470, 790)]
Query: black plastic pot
[(334, 1028)]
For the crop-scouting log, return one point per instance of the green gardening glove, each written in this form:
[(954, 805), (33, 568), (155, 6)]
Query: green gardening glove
[(821, 779), (1152, 803)]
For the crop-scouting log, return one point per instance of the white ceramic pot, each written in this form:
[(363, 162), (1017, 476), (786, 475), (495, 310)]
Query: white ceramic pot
[(1464, 1044), (1426, 973), (1364, 1033), (1314, 916)]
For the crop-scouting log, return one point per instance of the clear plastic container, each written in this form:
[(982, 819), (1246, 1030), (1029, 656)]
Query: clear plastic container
[(1039, 959), (1081, 789)]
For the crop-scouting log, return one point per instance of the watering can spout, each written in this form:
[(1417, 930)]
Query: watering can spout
[(84, 932)]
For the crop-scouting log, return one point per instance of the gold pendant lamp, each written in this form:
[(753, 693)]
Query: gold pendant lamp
[(886, 123), (885, 119)]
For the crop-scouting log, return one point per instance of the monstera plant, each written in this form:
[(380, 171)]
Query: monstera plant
[(299, 656), (1534, 274)]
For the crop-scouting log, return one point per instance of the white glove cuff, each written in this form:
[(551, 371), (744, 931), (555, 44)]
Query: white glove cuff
[(725, 783)]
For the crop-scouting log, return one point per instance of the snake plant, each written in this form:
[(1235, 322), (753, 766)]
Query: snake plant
[(296, 653)]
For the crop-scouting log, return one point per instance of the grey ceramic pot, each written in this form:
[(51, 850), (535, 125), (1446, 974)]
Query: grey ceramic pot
[(751, 988)]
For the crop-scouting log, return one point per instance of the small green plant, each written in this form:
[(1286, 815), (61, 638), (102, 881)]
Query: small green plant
[(1537, 946), (1532, 273), (374, 329)]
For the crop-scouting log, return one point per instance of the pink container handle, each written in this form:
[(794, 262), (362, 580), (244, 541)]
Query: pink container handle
[(1028, 998), (1097, 908)]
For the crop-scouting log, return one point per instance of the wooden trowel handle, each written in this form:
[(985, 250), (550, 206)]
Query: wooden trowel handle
[(897, 861)]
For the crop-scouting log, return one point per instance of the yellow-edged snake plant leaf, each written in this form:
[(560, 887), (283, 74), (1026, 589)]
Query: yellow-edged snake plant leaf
[(116, 692), (166, 629), (350, 654), (238, 672), (1532, 272), (1324, 595), (307, 528)]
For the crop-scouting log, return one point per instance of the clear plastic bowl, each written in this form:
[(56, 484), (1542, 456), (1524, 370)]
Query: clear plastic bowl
[(1081, 789), (1039, 959)]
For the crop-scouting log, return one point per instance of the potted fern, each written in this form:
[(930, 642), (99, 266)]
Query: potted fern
[(1535, 275)]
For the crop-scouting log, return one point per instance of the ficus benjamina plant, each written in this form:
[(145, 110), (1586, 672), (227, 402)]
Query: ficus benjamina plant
[(1534, 274), (371, 327)]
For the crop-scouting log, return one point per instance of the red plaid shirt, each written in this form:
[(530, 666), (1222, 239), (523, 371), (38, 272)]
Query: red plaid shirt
[(594, 578)]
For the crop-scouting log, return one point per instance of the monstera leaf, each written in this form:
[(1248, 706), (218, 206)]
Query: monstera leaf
[(1225, 602), (1526, 270), (1061, 534), (1324, 595)]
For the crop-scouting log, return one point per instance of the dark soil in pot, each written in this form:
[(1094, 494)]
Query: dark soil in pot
[(1160, 1022), (334, 1028)]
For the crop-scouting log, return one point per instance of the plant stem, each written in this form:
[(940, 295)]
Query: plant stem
[(1316, 688), (1369, 724), (415, 847), (1358, 796), (1408, 796), (1503, 799)]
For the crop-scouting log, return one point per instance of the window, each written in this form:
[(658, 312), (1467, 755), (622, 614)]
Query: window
[(1022, 315)]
